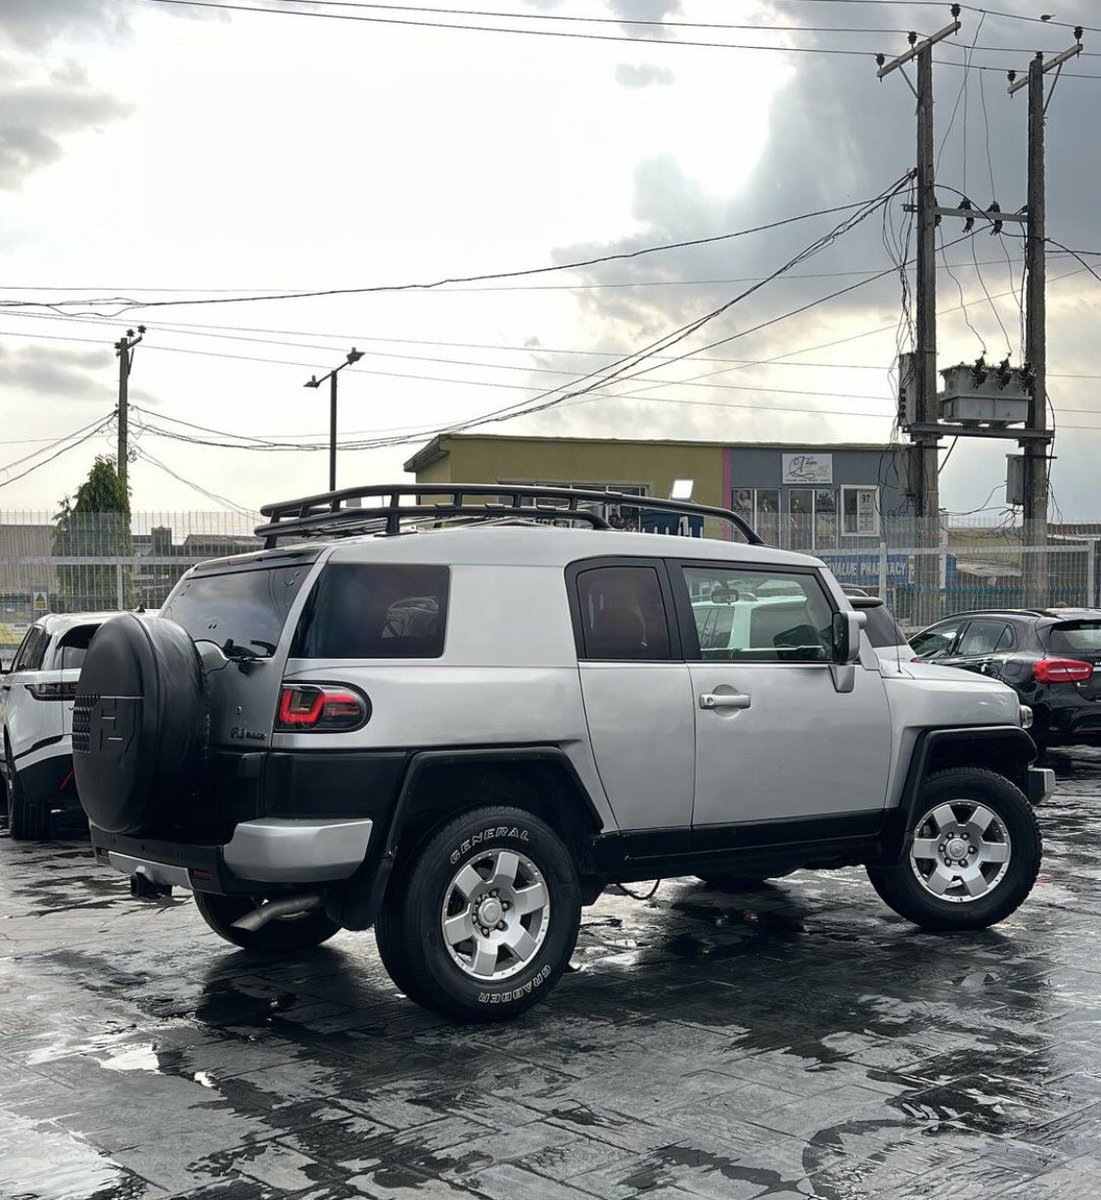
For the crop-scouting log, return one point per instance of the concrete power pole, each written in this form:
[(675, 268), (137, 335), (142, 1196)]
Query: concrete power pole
[(124, 349)]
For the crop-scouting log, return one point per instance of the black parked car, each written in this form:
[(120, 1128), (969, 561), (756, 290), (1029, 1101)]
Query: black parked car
[(1051, 657)]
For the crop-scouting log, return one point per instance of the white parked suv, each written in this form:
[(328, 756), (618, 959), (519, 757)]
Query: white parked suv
[(36, 719), (445, 715)]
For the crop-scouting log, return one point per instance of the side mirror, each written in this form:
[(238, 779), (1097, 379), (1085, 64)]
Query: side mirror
[(846, 636)]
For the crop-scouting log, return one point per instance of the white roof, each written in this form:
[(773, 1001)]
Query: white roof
[(55, 623)]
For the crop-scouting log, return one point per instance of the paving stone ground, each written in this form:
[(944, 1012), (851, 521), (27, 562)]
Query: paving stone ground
[(798, 1041)]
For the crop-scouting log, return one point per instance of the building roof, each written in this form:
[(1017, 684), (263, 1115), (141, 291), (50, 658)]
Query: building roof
[(439, 446)]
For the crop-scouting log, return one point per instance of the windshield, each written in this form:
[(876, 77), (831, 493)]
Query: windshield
[(244, 610), (1076, 637)]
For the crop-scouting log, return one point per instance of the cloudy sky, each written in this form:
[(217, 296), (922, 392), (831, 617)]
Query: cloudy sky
[(153, 153)]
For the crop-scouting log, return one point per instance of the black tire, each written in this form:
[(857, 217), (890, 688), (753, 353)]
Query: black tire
[(438, 974), (283, 935), (140, 724), (27, 821), (1007, 881)]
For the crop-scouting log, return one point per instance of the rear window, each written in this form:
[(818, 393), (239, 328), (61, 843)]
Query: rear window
[(1075, 637), (881, 628), (361, 610), (238, 610), (70, 652)]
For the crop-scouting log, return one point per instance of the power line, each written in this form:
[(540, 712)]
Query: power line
[(57, 454), (127, 302), (240, 509)]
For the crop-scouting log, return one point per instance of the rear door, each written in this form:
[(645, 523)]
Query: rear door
[(982, 646), (636, 689)]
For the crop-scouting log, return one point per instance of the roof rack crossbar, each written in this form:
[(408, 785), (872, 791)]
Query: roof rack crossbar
[(342, 511)]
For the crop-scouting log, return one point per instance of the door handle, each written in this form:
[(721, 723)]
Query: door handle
[(724, 700)]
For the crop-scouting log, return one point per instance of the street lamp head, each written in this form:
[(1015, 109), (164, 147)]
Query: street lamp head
[(313, 381), (354, 355)]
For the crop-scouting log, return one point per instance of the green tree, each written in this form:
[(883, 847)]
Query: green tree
[(94, 524)]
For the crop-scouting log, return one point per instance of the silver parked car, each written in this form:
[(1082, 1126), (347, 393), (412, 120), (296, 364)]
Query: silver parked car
[(453, 715)]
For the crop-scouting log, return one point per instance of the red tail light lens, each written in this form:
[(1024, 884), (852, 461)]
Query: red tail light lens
[(313, 708), (52, 691), (1061, 670)]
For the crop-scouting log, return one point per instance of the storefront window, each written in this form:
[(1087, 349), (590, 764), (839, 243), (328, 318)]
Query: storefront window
[(860, 511)]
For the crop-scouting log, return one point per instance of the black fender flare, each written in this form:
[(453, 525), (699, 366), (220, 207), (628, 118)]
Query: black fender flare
[(1009, 744), (356, 904)]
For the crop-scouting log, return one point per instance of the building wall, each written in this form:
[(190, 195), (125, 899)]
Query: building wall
[(566, 460)]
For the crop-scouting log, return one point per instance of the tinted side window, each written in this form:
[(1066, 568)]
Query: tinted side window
[(985, 637), (361, 610), (881, 628), (622, 614), (935, 642), (759, 615), (32, 651)]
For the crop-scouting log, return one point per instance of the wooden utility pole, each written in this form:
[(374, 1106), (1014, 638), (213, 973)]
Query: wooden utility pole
[(1037, 449), (124, 349)]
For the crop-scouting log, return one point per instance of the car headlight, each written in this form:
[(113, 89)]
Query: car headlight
[(1026, 716)]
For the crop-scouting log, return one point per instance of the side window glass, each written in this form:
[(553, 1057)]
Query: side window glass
[(21, 651), (935, 642), (984, 637), (1006, 641), (32, 651), (759, 615), (375, 611), (622, 614)]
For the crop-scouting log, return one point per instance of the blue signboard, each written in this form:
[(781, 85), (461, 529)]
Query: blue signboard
[(862, 570)]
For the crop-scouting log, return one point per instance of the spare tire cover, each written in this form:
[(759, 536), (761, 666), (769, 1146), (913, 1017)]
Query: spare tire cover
[(140, 723)]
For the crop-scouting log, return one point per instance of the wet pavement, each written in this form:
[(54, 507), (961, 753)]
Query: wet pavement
[(798, 1041)]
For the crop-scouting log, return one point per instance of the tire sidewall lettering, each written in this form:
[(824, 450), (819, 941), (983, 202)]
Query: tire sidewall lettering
[(500, 832), (518, 992)]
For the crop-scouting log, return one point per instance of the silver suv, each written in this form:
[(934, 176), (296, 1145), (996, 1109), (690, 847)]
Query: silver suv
[(450, 713)]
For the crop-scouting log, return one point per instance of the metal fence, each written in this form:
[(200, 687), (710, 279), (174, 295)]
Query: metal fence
[(923, 571), (100, 562)]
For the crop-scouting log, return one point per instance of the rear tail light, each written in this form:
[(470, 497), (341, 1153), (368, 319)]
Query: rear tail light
[(1061, 670), (316, 708), (52, 691)]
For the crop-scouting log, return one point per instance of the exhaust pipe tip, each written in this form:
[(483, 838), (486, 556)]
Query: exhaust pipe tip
[(289, 906), (144, 888)]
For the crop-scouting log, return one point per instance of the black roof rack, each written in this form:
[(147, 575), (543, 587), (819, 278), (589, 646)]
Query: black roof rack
[(342, 512)]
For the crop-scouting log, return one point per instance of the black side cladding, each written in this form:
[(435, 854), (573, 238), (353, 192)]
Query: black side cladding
[(141, 723)]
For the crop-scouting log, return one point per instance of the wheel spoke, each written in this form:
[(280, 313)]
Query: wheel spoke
[(980, 819), (924, 848), (529, 899), (940, 881), (459, 928), (520, 942), (994, 852), (504, 872), (942, 816), (974, 882), (468, 881), (485, 960)]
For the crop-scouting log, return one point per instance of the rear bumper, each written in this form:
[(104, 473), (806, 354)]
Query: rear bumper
[(283, 853)]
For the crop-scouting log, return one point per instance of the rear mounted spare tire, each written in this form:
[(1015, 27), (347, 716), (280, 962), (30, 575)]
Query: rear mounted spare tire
[(140, 723)]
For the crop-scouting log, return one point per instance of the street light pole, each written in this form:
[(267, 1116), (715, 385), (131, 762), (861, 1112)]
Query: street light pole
[(352, 356)]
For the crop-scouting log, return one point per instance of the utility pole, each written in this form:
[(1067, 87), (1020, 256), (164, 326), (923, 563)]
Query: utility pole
[(353, 356), (1036, 451), (925, 450), (124, 350)]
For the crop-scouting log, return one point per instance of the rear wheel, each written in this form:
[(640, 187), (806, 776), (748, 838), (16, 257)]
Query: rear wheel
[(972, 855), (27, 821), (282, 935), (481, 921)]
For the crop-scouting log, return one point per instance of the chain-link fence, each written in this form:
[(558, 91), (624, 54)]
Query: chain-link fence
[(102, 562), (98, 562)]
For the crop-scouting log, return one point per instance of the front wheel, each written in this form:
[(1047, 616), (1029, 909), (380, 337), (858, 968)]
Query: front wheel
[(481, 921), (282, 935), (972, 855)]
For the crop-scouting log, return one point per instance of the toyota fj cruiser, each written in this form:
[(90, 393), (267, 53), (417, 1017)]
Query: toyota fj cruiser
[(449, 713)]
